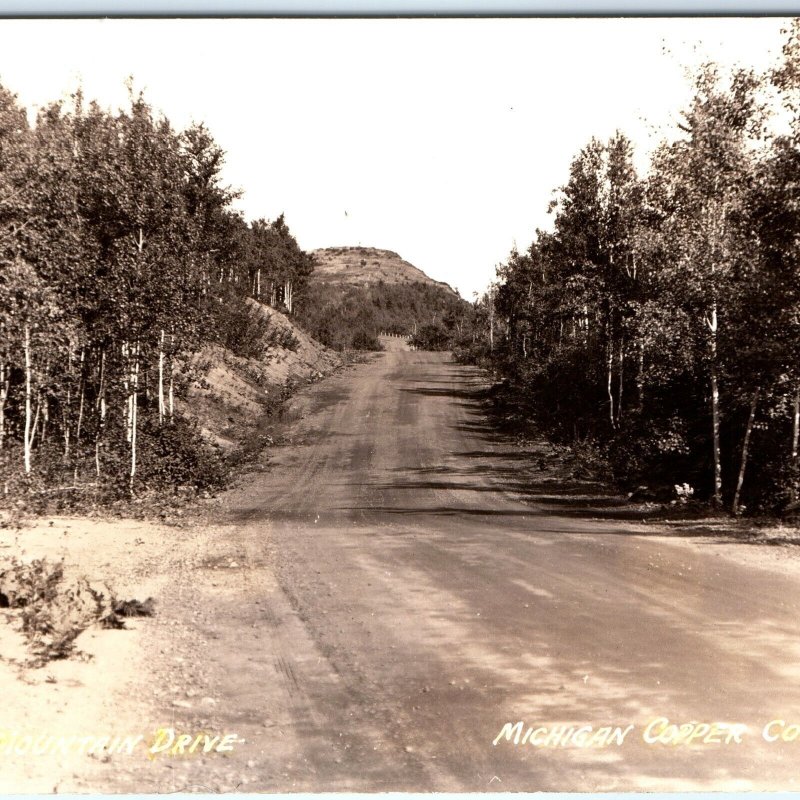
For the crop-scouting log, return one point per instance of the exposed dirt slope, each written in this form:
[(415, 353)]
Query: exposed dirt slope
[(360, 266), (228, 393)]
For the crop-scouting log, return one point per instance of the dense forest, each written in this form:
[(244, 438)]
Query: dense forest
[(352, 317), (120, 255), (659, 320)]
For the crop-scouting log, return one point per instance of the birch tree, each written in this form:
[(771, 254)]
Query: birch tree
[(705, 177)]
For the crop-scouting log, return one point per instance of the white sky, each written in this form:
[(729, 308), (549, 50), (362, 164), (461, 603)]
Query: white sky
[(440, 139)]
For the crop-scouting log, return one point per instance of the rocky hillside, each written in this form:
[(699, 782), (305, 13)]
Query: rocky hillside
[(362, 266)]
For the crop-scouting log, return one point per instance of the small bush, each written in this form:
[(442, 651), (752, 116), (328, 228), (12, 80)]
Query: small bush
[(174, 457), (246, 331), (53, 613), (279, 337), (364, 340)]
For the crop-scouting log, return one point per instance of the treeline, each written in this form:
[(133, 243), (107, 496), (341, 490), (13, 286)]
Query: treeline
[(660, 318), (351, 317), (120, 255)]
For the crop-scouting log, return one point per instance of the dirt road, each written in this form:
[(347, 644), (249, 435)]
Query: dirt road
[(397, 584), (422, 601)]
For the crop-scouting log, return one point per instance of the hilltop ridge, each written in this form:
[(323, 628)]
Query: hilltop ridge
[(356, 293), (362, 266)]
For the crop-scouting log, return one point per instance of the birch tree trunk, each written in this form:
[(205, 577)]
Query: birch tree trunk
[(4, 384), (133, 406), (34, 425), (609, 381), (715, 416), (161, 404), (745, 447), (81, 399), (491, 321), (45, 403), (715, 223), (65, 424), (101, 408), (640, 379), (609, 390), (134, 383), (27, 433), (171, 394), (171, 375), (126, 381), (621, 377), (287, 295), (796, 443)]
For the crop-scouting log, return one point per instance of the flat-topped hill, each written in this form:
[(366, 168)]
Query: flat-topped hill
[(362, 266)]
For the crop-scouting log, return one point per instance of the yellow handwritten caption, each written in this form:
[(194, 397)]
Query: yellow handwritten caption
[(662, 731), (562, 735), (163, 742), (658, 731), (167, 741)]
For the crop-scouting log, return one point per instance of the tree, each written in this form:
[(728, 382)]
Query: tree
[(15, 149), (703, 179)]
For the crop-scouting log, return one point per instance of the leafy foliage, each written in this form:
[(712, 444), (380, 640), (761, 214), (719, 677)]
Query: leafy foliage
[(352, 317), (659, 320), (120, 255)]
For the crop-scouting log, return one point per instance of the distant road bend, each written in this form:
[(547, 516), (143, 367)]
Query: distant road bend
[(421, 601)]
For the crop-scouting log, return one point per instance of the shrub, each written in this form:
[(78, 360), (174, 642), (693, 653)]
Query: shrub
[(174, 457), (53, 613)]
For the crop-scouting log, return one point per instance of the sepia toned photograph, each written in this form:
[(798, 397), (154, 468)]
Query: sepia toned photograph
[(399, 405)]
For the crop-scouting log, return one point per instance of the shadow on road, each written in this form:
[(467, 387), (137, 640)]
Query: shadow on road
[(548, 479)]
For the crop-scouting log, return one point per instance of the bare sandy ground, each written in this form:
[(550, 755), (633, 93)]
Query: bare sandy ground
[(368, 611), (123, 682)]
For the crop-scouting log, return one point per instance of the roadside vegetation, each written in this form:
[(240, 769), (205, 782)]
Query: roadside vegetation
[(347, 317), (658, 323), (145, 326), (120, 257), (53, 610)]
